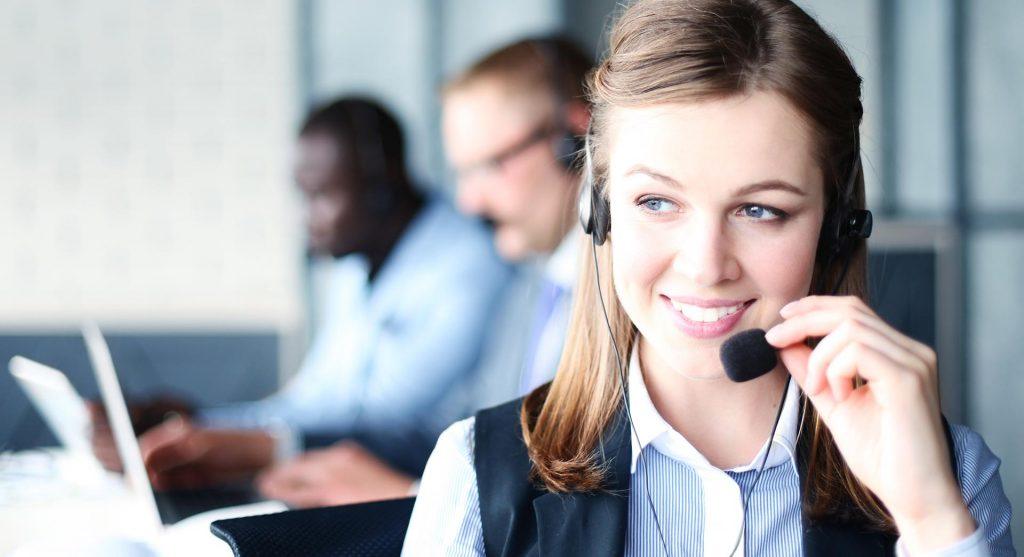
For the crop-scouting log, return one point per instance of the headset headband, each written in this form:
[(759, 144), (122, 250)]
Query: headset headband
[(847, 225)]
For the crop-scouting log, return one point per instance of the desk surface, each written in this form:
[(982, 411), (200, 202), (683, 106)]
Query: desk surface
[(50, 502)]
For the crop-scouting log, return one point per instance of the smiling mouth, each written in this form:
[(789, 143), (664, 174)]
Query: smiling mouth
[(705, 315)]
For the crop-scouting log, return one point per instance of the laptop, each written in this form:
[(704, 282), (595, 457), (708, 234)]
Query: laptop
[(60, 406), (65, 412)]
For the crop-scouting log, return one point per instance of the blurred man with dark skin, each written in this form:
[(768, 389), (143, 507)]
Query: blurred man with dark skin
[(411, 288), (512, 125)]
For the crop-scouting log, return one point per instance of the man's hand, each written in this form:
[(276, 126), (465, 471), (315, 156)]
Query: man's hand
[(179, 455), (144, 416), (338, 475)]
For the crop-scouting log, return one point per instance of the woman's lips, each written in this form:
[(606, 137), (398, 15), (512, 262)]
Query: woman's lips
[(705, 322)]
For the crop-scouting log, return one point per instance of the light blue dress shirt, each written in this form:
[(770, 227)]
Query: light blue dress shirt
[(387, 351), (524, 341), (698, 506), (551, 314)]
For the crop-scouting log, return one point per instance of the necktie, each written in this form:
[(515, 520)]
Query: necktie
[(535, 368)]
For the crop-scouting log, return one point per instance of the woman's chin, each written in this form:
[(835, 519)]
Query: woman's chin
[(691, 358)]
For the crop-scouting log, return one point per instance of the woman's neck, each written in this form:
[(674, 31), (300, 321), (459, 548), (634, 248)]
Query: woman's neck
[(727, 422)]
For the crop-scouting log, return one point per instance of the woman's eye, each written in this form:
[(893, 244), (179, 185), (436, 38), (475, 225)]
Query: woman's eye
[(657, 205), (762, 212)]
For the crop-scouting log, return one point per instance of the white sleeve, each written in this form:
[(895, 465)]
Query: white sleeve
[(971, 546), (982, 490), (446, 518)]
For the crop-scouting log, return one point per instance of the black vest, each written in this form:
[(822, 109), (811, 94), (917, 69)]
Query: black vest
[(518, 518)]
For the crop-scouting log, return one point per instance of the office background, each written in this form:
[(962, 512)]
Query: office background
[(145, 182)]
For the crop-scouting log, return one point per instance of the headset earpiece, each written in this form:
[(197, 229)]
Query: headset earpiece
[(842, 228), (595, 214), (852, 224), (859, 224), (379, 190)]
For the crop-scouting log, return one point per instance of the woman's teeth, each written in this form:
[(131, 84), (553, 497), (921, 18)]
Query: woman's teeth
[(705, 315)]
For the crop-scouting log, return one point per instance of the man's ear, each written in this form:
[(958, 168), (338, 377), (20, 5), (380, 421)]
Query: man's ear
[(577, 117)]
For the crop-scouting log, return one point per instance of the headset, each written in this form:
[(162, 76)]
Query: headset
[(841, 228), (368, 144)]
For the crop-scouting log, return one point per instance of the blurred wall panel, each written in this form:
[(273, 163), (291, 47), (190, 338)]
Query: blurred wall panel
[(473, 28), (995, 89), (144, 172), (382, 49), (921, 127), (400, 51), (994, 127), (588, 21), (855, 25), (997, 375)]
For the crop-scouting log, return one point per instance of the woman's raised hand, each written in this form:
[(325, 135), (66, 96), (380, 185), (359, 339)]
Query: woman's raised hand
[(889, 428)]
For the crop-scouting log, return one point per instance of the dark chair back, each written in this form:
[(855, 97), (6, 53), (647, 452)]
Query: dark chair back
[(366, 529)]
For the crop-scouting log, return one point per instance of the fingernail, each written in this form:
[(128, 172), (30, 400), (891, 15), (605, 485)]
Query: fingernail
[(771, 334), (785, 309)]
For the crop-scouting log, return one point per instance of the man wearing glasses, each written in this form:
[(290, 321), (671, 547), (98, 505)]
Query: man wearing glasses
[(512, 125)]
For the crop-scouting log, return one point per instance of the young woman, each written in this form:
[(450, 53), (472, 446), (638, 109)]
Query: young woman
[(724, 151)]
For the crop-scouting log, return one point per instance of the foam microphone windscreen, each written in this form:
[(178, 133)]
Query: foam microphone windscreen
[(747, 355)]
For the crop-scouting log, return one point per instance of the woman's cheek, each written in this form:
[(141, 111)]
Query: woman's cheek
[(637, 266), (783, 269)]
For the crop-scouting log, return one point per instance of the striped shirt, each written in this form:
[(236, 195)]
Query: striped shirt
[(698, 506)]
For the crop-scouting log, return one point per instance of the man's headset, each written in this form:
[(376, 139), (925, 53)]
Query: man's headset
[(841, 228), (368, 144)]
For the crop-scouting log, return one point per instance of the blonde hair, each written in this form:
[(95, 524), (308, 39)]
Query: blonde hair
[(552, 67), (670, 51)]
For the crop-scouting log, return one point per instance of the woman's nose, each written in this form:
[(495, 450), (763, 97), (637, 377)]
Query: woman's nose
[(704, 254)]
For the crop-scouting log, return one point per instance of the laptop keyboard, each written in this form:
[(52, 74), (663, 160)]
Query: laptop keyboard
[(175, 506)]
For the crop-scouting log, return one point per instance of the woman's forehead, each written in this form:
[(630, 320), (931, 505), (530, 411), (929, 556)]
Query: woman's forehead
[(722, 143)]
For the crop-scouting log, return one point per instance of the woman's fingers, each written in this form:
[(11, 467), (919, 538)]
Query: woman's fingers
[(820, 322), (843, 322), (852, 308), (835, 384), (843, 369), (798, 328), (812, 303), (795, 359), (886, 377), (855, 331)]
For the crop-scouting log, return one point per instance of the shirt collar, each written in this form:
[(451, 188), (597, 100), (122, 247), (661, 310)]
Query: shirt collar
[(651, 429), (560, 267)]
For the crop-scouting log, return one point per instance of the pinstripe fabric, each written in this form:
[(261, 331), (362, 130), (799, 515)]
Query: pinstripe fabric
[(446, 520), (775, 501), (774, 511), (681, 497)]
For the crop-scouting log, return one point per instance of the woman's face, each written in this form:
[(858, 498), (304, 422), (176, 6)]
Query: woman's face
[(715, 208)]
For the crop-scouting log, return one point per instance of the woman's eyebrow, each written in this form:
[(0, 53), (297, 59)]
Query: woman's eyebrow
[(763, 185), (770, 185), (641, 169)]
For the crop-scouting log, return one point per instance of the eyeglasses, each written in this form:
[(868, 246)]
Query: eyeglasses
[(495, 162)]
